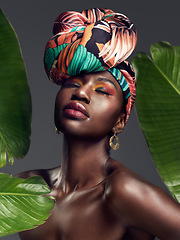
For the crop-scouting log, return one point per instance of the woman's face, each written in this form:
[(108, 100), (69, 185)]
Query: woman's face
[(89, 105)]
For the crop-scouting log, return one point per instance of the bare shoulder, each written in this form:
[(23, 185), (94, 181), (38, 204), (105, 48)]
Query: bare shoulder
[(140, 204), (126, 189), (51, 176), (120, 178), (124, 186)]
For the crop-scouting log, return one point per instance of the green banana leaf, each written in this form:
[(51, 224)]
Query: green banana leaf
[(22, 205), (22, 202), (158, 109), (15, 99)]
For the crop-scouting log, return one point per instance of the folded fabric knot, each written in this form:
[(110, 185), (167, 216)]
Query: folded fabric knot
[(95, 40)]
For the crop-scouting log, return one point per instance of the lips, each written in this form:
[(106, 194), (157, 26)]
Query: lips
[(76, 110)]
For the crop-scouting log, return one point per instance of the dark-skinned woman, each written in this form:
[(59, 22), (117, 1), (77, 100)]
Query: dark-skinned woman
[(97, 198)]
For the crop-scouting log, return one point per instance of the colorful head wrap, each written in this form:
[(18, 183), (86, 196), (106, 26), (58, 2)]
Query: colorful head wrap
[(95, 40)]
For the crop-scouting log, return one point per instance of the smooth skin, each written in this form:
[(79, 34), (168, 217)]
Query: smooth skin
[(98, 198)]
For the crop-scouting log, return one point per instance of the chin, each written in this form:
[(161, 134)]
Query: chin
[(70, 127), (82, 131)]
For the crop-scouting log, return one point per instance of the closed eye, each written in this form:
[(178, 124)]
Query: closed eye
[(69, 83), (102, 90)]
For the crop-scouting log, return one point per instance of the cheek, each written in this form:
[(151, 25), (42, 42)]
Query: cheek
[(59, 103), (106, 115)]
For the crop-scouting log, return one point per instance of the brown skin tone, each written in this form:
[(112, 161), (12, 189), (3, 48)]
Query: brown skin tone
[(98, 198)]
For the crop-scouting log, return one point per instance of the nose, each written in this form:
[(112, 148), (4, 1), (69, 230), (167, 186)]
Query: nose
[(82, 93)]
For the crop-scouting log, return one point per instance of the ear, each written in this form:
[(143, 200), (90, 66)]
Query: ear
[(119, 126)]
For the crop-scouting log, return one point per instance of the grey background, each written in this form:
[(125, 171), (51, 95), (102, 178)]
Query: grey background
[(33, 21)]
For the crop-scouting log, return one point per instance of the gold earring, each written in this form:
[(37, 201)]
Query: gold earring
[(57, 131), (111, 143)]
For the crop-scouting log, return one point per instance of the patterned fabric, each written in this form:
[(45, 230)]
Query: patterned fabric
[(95, 40)]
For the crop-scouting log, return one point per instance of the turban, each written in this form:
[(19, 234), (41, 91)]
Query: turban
[(95, 40)]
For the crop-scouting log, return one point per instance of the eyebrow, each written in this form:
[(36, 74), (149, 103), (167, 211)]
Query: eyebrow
[(102, 79)]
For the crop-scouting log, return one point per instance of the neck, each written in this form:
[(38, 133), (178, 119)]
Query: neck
[(83, 164)]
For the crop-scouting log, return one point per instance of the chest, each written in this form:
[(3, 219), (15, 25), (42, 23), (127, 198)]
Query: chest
[(78, 216), (86, 216)]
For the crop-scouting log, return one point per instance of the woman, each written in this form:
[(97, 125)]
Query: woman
[(96, 196)]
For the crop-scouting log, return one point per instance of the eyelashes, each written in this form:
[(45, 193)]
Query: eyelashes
[(101, 88), (72, 83), (104, 88)]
